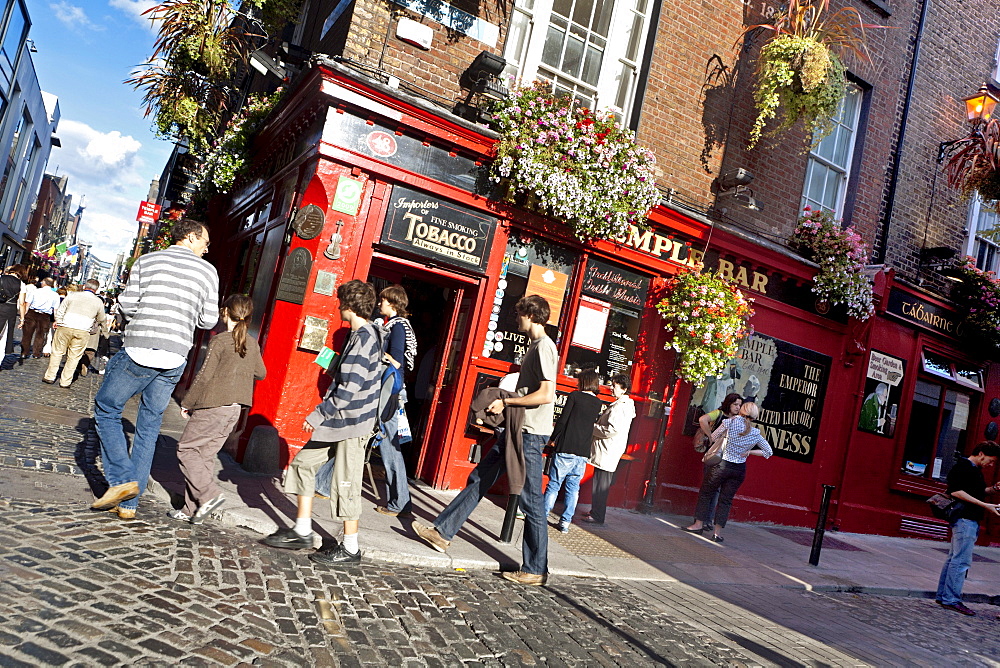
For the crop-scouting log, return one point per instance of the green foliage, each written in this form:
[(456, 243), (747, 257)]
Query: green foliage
[(802, 78), (978, 297)]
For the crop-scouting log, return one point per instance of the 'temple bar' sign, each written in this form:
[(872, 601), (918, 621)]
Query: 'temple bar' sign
[(148, 212)]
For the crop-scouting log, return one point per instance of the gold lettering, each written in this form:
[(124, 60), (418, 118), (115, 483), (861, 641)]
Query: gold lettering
[(759, 282), (662, 244), (695, 257), (725, 269), (639, 242), (741, 277)]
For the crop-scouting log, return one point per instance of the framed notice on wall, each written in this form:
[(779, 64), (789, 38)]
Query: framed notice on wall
[(883, 390)]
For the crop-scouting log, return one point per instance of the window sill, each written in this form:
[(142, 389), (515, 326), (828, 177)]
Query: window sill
[(917, 485)]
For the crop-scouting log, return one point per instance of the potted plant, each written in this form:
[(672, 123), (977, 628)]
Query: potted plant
[(973, 163), (576, 165), (708, 316), (801, 71), (977, 295), (841, 256)]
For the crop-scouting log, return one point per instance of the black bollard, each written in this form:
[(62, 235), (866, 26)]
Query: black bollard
[(824, 506), (507, 531)]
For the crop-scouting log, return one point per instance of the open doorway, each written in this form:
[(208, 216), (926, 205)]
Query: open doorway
[(439, 306)]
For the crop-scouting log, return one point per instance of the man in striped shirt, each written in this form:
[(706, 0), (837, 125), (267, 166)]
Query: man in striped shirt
[(169, 294)]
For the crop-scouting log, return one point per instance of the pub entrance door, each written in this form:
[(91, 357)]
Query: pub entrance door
[(440, 306)]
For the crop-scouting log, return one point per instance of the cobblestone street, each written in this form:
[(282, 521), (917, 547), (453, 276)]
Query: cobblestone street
[(83, 588)]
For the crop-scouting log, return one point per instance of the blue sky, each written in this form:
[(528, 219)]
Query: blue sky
[(86, 48)]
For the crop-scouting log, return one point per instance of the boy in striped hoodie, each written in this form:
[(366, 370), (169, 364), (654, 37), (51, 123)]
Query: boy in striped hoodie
[(340, 427)]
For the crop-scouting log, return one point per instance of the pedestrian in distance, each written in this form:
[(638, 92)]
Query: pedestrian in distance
[(39, 311), (966, 483), (341, 427), (707, 424), (610, 440), (744, 440), (536, 392), (169, 294), (212, 407), (401, 353), (77, 315), (571, 439), (11, 283)]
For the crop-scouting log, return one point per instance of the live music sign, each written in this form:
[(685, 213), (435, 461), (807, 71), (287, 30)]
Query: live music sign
[(148, 212)]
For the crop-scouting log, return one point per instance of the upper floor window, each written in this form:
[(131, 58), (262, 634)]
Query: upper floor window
[(591, 49), (984, 224), (829, 167)]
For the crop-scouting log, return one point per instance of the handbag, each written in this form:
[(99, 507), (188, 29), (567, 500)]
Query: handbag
[(944, 507), (713, 456)]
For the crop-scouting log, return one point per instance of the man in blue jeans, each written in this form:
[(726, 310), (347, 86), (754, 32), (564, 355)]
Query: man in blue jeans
[(536, 387), (169, 294), (966, 484)]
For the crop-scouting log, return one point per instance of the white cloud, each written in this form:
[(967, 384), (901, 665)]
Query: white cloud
[(73, 17), (105, 168), (135, 9)]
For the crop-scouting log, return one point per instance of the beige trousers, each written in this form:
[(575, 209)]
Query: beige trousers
[(345, 488), (71, 343)]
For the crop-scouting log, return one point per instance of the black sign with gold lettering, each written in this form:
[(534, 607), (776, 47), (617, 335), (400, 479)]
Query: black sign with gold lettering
[(787, 382), (439, 230), (922, 313), (295, 276)]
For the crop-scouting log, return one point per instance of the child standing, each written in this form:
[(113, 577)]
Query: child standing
[(401, 349), (213, 405)]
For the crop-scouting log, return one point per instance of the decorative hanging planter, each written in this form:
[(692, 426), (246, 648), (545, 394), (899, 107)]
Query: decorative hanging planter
[(576, 165), (977, 296), (800, 71), (841, 256), (973, 164), (708, 316)]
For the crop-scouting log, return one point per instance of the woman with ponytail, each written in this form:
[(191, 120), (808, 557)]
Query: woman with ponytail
[(213, 406)]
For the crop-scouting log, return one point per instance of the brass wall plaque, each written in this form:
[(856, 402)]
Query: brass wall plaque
[(309, 221), (314, 331)]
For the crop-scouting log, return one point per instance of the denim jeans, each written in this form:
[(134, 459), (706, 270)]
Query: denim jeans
[(396, 489), (123, 379), (963, 539), (566, 470), (535, 546)]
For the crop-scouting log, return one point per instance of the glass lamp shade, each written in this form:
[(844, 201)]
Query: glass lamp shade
[(979, 107)]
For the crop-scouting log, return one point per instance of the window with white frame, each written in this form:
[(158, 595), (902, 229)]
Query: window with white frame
[(829, 165), (984, 227), (591, 49)]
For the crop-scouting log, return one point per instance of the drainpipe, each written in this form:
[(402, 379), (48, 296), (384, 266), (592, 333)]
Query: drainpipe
[(880, 250)]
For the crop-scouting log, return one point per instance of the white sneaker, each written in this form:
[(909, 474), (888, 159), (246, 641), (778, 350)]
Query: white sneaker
[(176, 514)]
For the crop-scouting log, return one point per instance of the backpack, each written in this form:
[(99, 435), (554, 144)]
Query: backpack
[(10, 289), (390, 384)]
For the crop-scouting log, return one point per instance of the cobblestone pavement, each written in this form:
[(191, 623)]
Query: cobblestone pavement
[(80, 586), (84, 588)]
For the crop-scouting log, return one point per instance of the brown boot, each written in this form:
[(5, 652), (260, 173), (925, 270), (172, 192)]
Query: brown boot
[(115, 495)]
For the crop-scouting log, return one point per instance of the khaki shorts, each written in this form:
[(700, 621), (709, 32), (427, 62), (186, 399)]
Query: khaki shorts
[(348, 468)]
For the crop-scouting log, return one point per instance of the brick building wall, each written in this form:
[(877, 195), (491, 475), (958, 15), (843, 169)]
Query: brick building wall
[(366, 34), (958, 54)]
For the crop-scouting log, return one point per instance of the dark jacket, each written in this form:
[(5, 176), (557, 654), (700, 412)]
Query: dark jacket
[(968, 477), (512, 420), (225, 377), (575, 427)]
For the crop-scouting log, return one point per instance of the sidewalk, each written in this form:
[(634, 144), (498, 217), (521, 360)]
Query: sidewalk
[(41, 427)]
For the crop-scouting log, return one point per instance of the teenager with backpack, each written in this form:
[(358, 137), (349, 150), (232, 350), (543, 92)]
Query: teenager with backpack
[(400, 354), (341, 427)]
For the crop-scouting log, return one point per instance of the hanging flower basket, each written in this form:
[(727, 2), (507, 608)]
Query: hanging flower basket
[(973, 163), (978, 297), (708, 317), (841, 256), (800, 71), (568, 162)]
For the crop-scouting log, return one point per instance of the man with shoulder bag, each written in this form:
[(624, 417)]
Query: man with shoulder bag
[(966, 484)]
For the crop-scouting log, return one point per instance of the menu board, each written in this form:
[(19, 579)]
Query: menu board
[(607, 320)]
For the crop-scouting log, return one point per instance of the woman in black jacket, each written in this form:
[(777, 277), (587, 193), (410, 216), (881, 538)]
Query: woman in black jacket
[(11, 282), (572, 436)]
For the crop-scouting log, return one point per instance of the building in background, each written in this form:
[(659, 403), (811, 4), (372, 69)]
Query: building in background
[(51, 214), (28, 122)]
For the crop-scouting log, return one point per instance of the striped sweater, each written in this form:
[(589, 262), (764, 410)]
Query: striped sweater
[(350, 407), (169, 294)]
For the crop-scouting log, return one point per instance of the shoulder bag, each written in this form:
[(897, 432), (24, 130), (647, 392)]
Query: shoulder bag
[(945, 507), (713, 456)]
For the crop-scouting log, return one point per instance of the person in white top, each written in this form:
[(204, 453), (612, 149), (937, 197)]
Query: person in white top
[(37, 317), (610, 441)]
